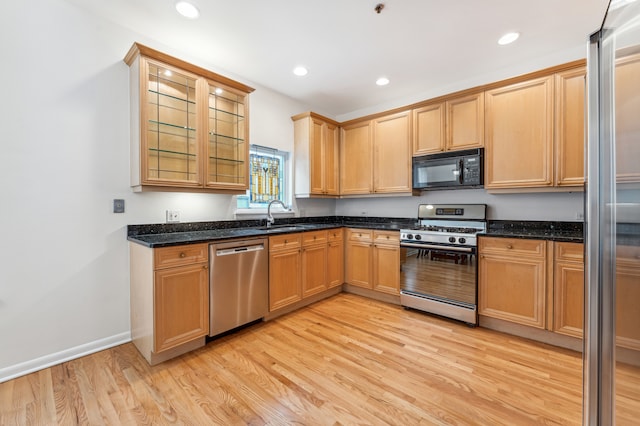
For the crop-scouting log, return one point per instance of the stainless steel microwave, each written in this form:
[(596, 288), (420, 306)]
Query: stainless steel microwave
[(449, 170)]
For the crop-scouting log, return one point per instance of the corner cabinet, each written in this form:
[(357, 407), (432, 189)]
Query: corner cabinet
[(375, 156), (316, 153), (535, 133), (189, 126), (169, 299)]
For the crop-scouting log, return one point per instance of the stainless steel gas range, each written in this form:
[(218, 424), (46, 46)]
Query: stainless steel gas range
[(439, 272)]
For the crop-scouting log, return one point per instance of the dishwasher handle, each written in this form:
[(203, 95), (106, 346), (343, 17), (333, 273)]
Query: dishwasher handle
[(239, 250)]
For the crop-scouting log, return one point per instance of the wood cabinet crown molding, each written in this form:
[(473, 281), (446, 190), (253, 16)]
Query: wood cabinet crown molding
[(138, 49)]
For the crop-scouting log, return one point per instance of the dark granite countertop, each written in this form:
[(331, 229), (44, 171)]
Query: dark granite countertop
[(163, 235), (572, 232)]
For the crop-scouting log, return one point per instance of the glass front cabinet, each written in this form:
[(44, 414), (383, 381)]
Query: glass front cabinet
[(189, 126)]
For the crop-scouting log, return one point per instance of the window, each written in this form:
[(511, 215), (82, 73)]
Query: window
[(268, 170)]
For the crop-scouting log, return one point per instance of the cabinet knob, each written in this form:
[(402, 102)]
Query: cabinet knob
[(314, 237), (509, 246), (387, 237), (183, 254), (205, 267), (286, 241)]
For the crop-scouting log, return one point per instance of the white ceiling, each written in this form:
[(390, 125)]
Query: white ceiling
[(425, 47)]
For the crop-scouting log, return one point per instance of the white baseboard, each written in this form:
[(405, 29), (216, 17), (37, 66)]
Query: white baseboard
[(27, 367)]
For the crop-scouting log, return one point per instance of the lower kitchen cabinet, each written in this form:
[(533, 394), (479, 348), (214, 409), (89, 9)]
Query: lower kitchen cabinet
[(314, 262), (386, 262), (169, 299), (512, 280), (335, 257), (627, 297), (373, 260), (285, 282), (568, 289), (359, 258)]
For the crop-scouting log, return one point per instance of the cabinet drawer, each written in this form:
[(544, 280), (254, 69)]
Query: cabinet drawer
[(571, 252), (386, 237), (335, 234), (359, 235), (167, 257), (281, 242), (512, 246), (315, 237)]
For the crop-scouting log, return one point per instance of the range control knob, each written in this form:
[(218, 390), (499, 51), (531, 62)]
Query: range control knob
[(409, 236), (418, 237), (452, 239), (462, 240)]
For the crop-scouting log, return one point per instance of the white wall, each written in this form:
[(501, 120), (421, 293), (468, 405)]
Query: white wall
[(535, 206), (64, 280)]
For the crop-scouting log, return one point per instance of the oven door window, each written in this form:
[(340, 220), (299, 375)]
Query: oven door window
[(440, 274)]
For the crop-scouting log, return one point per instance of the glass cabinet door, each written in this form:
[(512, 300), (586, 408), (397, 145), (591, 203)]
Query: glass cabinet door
[(227, 144), (171, 149)]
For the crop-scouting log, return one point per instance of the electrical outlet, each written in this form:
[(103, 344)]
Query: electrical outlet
[(118, 206), (173, 216)]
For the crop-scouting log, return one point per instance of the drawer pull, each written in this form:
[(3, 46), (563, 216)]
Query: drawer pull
[(286, 241), (509, 246), (183, 255)]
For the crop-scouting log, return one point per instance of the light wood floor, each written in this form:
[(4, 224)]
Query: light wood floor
[(345, 360)]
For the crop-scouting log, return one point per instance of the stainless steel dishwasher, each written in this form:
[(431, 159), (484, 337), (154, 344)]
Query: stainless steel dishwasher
[(239, 283)]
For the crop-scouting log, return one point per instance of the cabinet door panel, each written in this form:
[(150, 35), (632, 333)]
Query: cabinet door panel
[(512, 289), (335, 263), (392, 153), (331, 157), (428, 129), (570, 127), (359, 263), (627, 303), (519, 135), (316, 151), (314, 268), (569, 298), (386, 273), (465, 122), (181, 305), (356, 160), (627, 126), (284, 278)]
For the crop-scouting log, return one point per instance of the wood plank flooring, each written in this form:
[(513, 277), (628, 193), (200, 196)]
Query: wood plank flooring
[(346, 360)]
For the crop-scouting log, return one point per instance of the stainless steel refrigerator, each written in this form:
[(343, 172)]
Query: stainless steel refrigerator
[(612, 275)]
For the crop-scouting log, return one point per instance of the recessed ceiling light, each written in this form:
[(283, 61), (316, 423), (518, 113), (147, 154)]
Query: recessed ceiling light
[(188, 10), (508, 38), (382, 81), (300, 71)]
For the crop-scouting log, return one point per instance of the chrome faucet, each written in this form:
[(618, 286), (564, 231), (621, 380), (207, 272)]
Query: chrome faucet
[(270, 218)]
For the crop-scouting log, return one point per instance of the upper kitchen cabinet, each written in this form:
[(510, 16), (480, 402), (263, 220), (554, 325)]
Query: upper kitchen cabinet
[(392, 153), (316, 152), (375, 156), (189, 126), (356, 161), (535, 132), (570, 127), (454, 124), (627, 82), (519, 135)]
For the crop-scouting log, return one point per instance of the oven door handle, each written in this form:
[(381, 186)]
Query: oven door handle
[(433, 247)]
